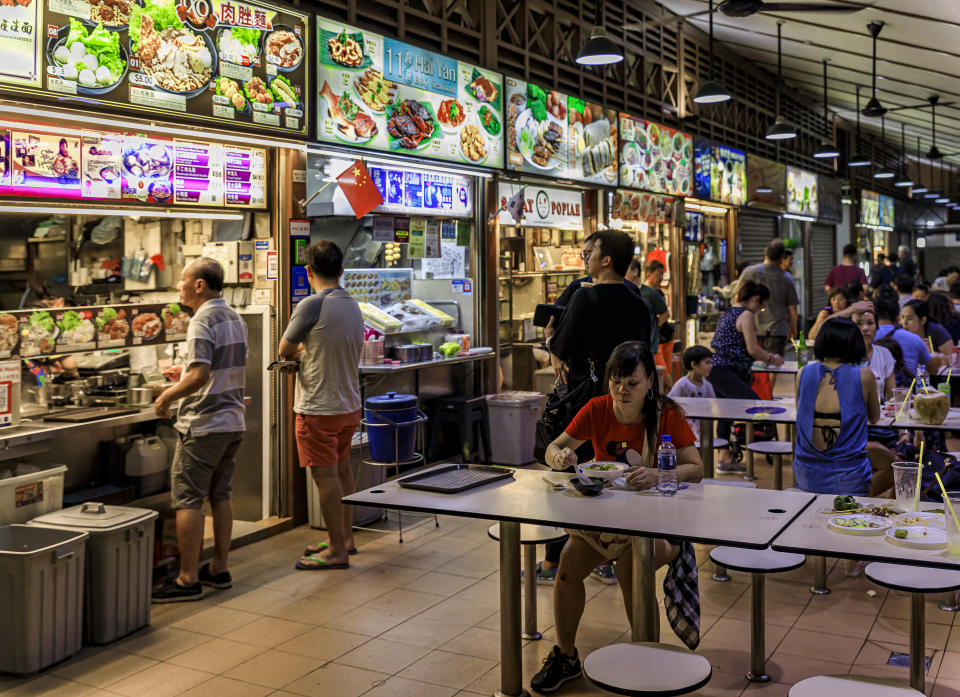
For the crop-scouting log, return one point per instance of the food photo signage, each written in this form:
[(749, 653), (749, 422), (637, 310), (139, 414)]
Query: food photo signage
[(378, 93), (635, 206), (218, 61), (19, 45), (887, 211), (544, 206), (869, 207), (802, 192), (655, 158), (720, 173), (558, 135)]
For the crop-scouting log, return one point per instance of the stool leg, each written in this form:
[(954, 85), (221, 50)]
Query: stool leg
[(530, 593), (778, 472), (720, 574), (748, 430), (400, 523), (758, 651), (918, 663), (485, 435), (820, 576), (949, 602)]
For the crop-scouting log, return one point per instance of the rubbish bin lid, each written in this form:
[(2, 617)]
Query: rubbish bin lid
[(95, 518), (516, 398), (391, 400)]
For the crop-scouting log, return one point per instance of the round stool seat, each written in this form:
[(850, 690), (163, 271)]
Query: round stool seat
[(771, 447), (647, 669), (913, 579), (717, 443), (531, 534), (729, 482), (850, 686), (759, 561)]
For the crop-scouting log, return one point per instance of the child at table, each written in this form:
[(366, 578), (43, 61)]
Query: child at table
[(698, 362)]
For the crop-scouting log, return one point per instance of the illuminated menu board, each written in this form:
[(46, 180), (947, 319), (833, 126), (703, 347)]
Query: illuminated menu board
[(887, 213), (869, 207), (427, 193), (655, 158), (380, 94), (802, 192), (244, 173), (721, 173), (198, 171), (218, 61)]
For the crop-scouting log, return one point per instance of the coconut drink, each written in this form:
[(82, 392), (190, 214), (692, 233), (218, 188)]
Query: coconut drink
[(931, 406)]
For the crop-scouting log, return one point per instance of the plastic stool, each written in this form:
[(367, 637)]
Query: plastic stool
[(850, 686), (530, 537), (777, 448), (717, 443), (757, 562), (917, 581), (468, 414), (647, 669)]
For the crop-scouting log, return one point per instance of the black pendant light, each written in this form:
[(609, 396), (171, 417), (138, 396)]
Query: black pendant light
[(599, 49), (858, 160), (904, 180), (920, 188), (932, 192), (781, 128), (873, 107), (884, 172), (712, 92), (943, 198), (934, 153), (827, 149)]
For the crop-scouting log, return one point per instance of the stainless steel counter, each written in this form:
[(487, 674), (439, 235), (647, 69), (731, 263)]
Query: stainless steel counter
[(36, 430), (420, 365)]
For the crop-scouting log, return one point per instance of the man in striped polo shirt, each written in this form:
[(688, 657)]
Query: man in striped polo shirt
[(210, 423)]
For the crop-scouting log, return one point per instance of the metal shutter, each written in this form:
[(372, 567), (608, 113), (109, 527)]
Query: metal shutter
[(756, 231), (822, 257)]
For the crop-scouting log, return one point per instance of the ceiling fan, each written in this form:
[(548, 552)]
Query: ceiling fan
[(747, 8)]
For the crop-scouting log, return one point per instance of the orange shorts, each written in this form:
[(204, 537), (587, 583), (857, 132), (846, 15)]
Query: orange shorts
[(324, 440)]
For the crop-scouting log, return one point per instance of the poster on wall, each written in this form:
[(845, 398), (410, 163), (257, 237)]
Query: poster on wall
[(802, 193), (721, 173), (641, 207), (766, 183), (219, 61), (19, 42), (378, 93), (869, 207), (885, 205), (44, 164), (655, 157), (558, 135)]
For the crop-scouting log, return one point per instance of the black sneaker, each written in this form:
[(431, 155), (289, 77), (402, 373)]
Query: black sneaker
[(557, 669), (223, 580), (173, 592)]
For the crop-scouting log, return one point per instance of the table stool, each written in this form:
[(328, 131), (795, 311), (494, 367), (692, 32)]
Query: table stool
[(717, 443), (949, 602), (917, 581), (647, 669), (530, 537), (757, 562), (777, 448), (850, 686), (468, 414), (720, 574)]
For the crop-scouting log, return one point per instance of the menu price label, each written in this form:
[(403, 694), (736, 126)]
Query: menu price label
[(198, 173), (244, 177)]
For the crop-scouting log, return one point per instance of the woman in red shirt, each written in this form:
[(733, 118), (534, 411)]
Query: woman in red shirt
[(624, 426)]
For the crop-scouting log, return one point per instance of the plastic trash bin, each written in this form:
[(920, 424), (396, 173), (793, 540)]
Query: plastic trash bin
[(42, 599), (513, 421), (25, 496), (119, 566)]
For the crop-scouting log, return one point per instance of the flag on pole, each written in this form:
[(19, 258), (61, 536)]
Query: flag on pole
[(360, 190), (515, 205)]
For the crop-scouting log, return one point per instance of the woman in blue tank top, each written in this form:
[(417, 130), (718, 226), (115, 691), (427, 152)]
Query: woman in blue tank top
[(836, 397)]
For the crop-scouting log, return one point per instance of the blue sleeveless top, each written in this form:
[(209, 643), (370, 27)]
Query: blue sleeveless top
[(730, 348), (844, 467)]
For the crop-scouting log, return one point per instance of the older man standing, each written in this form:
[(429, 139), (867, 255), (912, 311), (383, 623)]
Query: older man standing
[(210, 423), (778, 321)]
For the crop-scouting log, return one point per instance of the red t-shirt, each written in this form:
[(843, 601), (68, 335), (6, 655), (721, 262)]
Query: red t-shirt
[(612, 439), (841, 275)]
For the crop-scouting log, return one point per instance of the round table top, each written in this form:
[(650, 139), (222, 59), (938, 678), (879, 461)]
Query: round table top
[(850, 686), (771, 447), (647, 669), (756, 560), (913, 579), (531, 534)]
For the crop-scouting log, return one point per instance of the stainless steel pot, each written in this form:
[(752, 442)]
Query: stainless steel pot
[(97, 381), (426, 352), (407, 353), (140, 396)]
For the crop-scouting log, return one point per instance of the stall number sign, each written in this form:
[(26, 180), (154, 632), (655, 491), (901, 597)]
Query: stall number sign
[(544, 207)]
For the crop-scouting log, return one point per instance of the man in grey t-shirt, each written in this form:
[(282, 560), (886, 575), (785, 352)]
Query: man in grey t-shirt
[(778, 320), (326, 334)]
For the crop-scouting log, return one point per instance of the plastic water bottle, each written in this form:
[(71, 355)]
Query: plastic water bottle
[(666, 467), (923, 378)]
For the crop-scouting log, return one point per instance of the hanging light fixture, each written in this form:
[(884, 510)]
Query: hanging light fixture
[(712, 92), (934, 152), (858, 160), (932, 192), (904, 179), (781, 128), (943, 197), (884, 172), (873, 107), (599, 49), (920, 189), (826, 149)]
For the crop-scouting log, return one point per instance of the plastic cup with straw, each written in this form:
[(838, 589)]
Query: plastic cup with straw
[(900, 411), (949, 505)]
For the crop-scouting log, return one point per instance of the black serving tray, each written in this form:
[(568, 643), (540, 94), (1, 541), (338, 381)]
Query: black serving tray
[(453, 479)]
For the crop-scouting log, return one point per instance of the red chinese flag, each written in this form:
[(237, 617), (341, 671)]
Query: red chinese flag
[(357, 185)]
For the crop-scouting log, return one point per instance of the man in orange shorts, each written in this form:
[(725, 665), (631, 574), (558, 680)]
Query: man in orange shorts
[(326, 335)]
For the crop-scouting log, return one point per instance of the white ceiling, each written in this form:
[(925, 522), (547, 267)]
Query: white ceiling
[(918, 54)]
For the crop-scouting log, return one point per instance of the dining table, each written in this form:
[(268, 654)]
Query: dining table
[(908, 419), (790, 367), (698, 513)]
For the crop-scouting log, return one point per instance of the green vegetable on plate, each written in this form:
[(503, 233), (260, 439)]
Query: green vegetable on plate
[(900, 533), (845, 503), (164, 13)]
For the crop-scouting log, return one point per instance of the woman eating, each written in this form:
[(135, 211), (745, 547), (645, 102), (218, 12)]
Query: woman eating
[(836, 397), (624, 426)]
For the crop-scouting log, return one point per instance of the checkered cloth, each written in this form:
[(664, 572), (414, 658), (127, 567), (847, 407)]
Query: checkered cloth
[(682, 596)]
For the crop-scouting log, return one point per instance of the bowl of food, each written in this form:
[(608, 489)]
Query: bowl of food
[(608, 471), (592, 487)]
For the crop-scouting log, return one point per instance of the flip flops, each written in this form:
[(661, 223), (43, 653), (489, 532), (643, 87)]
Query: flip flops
[(315, 563), (321, 547)]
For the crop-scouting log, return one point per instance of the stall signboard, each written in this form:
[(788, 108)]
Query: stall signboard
[(558, 135), (766, 183), (380, 94), (641, 207), (217, 61), (802, 192), (830, 198), (720, 173), (869, 207), (380, 287), (887, 211), (655, 158), (118, 166), (544, 207), (413, 192)]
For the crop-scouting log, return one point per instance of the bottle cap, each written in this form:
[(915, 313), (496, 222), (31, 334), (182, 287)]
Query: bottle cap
[(665, 439)]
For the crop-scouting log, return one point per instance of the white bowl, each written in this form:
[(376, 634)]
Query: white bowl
[(615, 470)]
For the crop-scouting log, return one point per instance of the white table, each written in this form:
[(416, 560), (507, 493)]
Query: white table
[(906, 420), (787, 367), (695, 514)]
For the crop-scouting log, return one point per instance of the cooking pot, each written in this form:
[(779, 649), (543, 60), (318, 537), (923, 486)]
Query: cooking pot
[(97, 381), (140, 396), (426, 351), (407, 353)]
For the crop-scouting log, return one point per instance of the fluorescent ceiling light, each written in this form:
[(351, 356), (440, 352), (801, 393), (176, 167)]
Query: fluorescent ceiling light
[(942, 199), (599, 50), (932, 194), (120, 210), (920, 189), (884, 174), (903, 182), (764, 190), (826, 150), (859, 160), (804, 218)]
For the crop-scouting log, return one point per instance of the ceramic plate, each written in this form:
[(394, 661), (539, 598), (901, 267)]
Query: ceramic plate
[(919, 537), (859, 524), (928, 520)]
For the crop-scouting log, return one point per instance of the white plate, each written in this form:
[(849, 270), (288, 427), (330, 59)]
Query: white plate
[(929, 520), (919, 537), (610, 474), (882, 524)]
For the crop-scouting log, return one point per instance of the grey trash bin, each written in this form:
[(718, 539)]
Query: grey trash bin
[(119, 567), (42, 599)]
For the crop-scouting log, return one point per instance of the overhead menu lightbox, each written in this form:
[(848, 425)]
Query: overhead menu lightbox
[(378, 93), (721, 173), (802, 192), (655, 158)]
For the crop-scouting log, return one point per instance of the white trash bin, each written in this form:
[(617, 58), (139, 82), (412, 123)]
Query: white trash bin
[(513, 426)]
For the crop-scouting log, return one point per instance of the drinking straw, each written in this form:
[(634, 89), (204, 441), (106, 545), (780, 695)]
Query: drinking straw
[(916, 492), (946, 499), (930, 341), (900, 412)]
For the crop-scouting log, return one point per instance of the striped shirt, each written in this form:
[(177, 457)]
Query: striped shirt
[(216, 336)]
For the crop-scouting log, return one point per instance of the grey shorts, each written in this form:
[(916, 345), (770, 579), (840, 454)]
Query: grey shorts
[(203, 469), (775, 344)]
